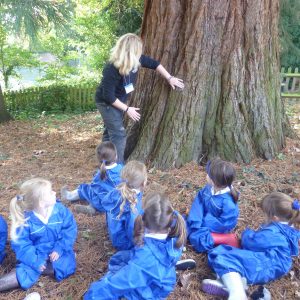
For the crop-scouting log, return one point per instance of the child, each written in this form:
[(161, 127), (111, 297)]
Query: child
[(3, 238), (266, 254), (214, 211), (43, 232), (106, 179), (124, 204), (148, 270)]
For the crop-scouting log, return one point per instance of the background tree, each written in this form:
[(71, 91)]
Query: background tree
[(227, 54), (290, 33), (26, 18)]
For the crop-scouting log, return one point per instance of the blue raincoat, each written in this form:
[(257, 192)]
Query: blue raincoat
[(210, 213), (120, 228), (3, 238), (37, 240), (266, 254), (146, 272), (98, 189)]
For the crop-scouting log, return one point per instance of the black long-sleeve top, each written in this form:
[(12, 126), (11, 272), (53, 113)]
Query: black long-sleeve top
[(112, 83)]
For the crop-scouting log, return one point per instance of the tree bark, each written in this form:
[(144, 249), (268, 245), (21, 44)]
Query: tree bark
[(4, 114), (227, 54)]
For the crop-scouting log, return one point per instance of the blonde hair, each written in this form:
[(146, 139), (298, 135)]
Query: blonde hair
[(134, 176), (32, 192), (159, 217), (125, 55), (280, 205)]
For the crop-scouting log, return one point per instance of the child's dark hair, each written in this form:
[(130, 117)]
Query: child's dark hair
[(282, 206), (106, 153), (159, 217), (222, 174)]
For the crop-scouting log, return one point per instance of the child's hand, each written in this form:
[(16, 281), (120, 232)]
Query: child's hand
[(42, 268), (54, 256)]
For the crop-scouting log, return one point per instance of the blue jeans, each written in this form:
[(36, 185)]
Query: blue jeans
[(114, 130)]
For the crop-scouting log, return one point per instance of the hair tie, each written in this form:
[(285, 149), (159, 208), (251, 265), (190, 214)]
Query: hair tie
[(20, 197), (296, 205), (207, 168), (104, 161), (175, 213)]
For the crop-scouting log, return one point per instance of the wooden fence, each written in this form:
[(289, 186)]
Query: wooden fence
[(52, 98), (81, 97), (290, 83)]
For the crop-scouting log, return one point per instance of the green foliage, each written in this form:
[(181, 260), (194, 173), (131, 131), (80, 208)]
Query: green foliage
[(99, 23), (12, 57), (289, 26), (27, 18), (32, 102)]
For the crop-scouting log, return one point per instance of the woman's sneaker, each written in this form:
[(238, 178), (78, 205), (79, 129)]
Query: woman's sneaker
[(185, 264), (214, 287)]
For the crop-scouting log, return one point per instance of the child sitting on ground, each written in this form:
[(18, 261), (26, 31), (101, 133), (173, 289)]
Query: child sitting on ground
[(148, 270), (43, 233), (106, 179), (266, 254), (124, 204), (3, 238), (214, 211)]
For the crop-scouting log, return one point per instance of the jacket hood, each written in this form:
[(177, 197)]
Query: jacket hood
[(292, 235)]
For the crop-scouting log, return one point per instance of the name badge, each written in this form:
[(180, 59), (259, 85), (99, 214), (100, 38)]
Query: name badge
[(129, 88)]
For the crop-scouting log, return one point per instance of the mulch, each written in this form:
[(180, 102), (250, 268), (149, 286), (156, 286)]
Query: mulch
[(63, 151)]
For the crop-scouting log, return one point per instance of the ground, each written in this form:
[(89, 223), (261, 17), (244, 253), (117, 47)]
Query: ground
[(61, 148)]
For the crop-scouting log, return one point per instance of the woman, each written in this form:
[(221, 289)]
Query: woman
[(118, 80)]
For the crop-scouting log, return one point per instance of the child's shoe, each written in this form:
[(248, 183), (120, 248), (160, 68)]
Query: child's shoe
[(66, 195), (185, 264), (226, 239), (214, 287), (33, 296), (261, 294), (85, 209)]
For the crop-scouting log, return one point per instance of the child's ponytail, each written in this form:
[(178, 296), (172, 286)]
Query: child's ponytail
[(139, 231), (234, 193), (102, 170), (178, 229), (127, 194), (17, 215)]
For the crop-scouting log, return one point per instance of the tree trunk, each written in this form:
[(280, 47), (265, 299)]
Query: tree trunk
[(4, 114), (227, 54)]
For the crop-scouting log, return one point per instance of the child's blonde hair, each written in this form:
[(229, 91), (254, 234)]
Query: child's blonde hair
[(159, 217), (134, 176), (32, 192), (125, 55), (282, 206)]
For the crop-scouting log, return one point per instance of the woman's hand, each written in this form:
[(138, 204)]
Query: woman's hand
[(176, 82), (133, 114)]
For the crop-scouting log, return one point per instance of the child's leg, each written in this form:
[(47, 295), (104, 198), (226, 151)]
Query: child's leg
[(64, 266), (9, 281), (26, 276), (85, 209), (235, 286), (201, 239), (69, 195)]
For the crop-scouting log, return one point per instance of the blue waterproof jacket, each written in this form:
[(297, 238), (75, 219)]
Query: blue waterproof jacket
[(120, 228), (98, 189), (266, 254), (37, 240), (3, 238), (146, 272), (210, 213)]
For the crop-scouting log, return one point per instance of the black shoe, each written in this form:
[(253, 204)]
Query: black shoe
[(185, 264)]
